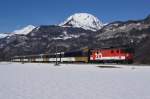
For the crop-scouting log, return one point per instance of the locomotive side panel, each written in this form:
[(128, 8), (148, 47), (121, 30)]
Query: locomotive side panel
[(110, 55)]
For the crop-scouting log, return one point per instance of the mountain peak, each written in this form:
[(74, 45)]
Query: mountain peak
[(83, 20), (24, 30)]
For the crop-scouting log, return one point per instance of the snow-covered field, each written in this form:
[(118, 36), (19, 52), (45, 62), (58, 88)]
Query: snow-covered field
[(46, 81)]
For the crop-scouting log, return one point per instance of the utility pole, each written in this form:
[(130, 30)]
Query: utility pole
[(56, 54), (56, 62)]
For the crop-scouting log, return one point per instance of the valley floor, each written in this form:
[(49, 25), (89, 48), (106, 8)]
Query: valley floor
[(73, 81)]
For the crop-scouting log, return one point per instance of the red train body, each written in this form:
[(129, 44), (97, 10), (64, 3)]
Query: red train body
[(117, 55)]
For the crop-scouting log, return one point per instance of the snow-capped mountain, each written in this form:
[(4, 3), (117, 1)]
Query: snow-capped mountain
[(83, 20), (24, 30), (3, 35)]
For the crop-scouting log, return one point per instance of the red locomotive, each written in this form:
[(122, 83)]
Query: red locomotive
[(116, 55)]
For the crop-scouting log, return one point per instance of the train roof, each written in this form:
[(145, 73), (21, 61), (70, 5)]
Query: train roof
[(37, 55)]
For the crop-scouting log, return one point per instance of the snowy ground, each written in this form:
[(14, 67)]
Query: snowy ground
[(46, 81)]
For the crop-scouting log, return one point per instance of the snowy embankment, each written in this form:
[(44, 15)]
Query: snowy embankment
[(46, 81)]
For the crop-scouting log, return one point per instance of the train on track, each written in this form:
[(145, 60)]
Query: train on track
[(100, 55)]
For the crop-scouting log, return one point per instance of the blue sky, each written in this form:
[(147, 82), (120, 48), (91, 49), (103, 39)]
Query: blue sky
[(15, 14)]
